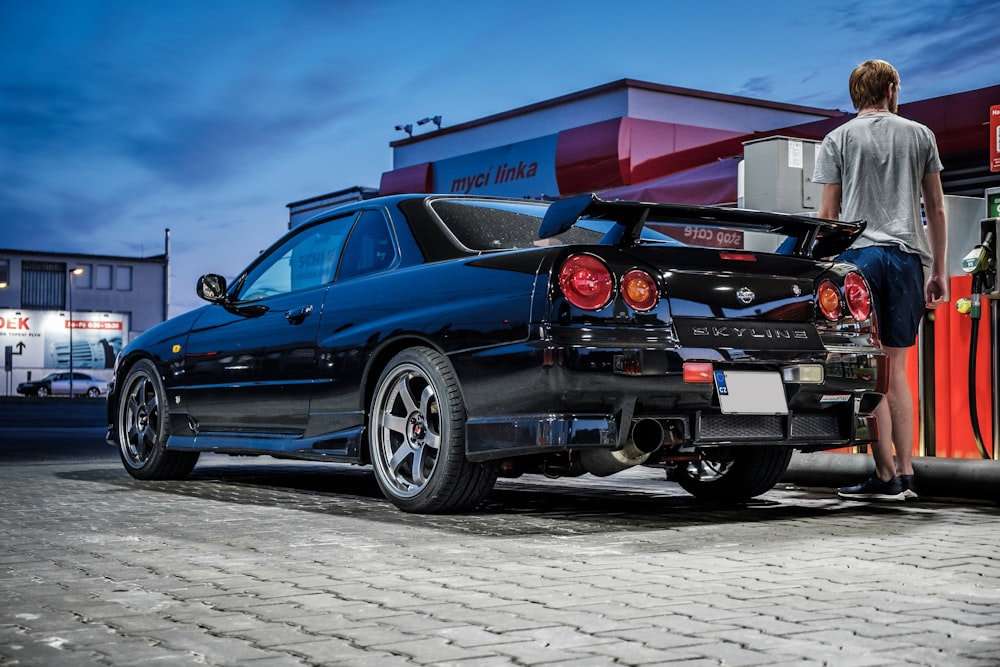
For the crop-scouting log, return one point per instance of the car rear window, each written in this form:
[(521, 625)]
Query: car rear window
[(484, 225), (492, 225)]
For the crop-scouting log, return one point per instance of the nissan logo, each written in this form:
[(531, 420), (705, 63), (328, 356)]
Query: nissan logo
[(745, 295)]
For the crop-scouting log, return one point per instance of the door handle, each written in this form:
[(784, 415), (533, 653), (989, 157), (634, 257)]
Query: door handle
[(298, 315)]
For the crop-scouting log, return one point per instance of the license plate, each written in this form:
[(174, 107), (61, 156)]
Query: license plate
[(750, 393)]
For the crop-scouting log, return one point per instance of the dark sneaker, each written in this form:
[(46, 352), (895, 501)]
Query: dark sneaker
[(874, 489), (909, 487)]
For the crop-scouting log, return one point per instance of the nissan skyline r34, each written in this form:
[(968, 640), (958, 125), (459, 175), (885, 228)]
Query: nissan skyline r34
[(446, 340)]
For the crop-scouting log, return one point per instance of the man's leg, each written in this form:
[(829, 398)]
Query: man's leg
[(895, 424), (885, 466), (901, 425)]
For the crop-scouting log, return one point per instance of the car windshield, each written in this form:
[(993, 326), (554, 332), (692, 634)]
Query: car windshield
[(485, 225)]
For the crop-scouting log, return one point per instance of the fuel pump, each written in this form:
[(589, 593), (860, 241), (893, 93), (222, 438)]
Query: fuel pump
[(981, 264)]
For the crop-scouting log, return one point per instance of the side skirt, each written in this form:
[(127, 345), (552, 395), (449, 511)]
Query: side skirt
[(341, 446)]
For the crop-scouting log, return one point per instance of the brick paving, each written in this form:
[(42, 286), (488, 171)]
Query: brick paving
[(271, 564)]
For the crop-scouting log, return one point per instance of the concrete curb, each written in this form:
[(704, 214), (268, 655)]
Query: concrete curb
[(977, 479)]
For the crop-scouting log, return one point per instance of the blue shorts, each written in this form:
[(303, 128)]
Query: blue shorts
[(896, 278)]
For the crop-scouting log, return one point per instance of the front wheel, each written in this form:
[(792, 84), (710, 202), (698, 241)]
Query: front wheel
[(734, 475), (141, 425), (416, 435), (42, 392)]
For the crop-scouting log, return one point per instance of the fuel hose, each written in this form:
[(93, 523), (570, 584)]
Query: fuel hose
[(973, 341)]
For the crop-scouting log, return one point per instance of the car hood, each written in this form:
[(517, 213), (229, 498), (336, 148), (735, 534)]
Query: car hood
[(166, 331)]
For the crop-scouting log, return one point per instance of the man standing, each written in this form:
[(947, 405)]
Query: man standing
[(875, 167)]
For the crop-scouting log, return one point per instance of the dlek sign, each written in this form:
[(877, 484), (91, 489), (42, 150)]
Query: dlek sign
[(41, 338)]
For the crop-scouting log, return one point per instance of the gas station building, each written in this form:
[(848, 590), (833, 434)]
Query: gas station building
[(637, 140)]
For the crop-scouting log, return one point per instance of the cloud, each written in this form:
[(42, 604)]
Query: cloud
[(758, 86), (121, 118), (932, 44)]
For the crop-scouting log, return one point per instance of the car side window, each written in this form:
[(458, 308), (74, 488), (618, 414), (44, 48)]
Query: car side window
[(370, 248), (307, 259)]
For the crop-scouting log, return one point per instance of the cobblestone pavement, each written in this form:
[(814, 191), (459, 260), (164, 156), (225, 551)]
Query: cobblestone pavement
[(305, 564)]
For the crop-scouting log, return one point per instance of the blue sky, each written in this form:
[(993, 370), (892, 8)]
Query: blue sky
[(120, 118)]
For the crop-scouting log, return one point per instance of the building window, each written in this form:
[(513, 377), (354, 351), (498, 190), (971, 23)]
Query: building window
[(103, 276), (86, 279), (123, 278), (43, 285), (4, 273)]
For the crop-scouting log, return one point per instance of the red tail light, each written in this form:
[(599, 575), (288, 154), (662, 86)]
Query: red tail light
[(828, 299), (586, 282), (859, 299), (639, 290)]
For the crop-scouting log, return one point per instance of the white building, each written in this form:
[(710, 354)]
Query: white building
[(59, 310)]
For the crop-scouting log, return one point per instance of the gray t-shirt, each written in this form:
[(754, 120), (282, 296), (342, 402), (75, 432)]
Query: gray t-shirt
[(880, 160)]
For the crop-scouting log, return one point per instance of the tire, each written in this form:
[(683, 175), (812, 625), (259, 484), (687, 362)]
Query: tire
[(734, 476), (416, 437), (93, 392), (42, 392), (142, 427)]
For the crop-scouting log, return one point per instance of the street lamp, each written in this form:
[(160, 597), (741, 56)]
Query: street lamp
[(435, 119), (75, 271), (408, 127)]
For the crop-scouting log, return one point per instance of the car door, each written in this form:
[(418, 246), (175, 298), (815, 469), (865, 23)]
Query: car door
[(59, 384), (353, 304), (249, 366)]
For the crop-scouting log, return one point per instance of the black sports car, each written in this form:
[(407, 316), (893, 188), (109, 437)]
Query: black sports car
[(446, 340)]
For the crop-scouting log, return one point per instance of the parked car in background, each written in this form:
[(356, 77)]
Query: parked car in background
[(58, 384), (446, 340)]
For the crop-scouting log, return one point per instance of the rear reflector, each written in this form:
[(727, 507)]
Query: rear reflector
[(698, 372)]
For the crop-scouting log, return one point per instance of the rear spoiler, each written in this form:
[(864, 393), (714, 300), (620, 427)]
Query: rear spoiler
[(814, 237)]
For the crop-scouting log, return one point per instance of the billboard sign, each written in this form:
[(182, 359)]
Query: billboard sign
[(526, 168), (41, 338)]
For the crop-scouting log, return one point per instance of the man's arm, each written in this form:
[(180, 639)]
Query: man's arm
[(829, 202), (936, 291)]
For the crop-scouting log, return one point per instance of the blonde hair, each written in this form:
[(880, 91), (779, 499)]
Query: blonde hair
[(869, 82)]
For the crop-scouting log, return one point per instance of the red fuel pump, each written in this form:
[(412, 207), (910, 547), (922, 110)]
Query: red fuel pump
[(952, 375), (981, 264)]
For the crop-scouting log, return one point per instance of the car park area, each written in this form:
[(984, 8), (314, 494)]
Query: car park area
[(261, 562)]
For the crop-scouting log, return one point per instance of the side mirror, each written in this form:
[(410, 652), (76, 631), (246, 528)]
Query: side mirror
[(212, 287)]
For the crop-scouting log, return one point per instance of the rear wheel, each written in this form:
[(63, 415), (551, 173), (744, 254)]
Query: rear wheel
[(416, 437), (93, 392), (734, 475), (141, 425)]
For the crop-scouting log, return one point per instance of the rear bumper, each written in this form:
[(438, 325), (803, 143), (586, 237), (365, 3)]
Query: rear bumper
[(526, 435), (577, 398)]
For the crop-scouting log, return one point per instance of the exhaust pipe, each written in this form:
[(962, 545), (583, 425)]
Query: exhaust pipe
[(647, 437)]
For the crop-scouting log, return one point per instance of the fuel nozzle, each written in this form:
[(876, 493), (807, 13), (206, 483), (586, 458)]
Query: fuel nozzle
[(980, 258)]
